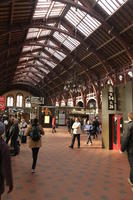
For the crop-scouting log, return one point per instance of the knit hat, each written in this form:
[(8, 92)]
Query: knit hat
[(2, 128)]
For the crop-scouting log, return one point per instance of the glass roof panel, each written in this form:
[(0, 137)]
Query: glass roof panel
[(82, 21), (32, 32), (111, 6), (48, 8), (44, 32), (50, 63), (26, 49), (44, 55), (59, 55), (38, 63), (50, 50), (68, 41)]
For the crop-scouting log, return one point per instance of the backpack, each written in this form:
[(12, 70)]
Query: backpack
[(35, 133)]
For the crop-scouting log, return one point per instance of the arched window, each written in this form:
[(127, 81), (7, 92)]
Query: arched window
[(80, 104), (70, 102), (19, 100), (27, 103), (91, 105), (62, 103), (10, 101), (57, 103)]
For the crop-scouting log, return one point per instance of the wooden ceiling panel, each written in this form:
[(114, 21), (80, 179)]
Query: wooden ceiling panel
[(98, 41)]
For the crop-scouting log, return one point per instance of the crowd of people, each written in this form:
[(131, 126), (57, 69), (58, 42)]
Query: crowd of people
[(11, 130)]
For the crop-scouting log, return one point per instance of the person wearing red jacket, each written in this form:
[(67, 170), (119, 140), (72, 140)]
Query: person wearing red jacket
[(53, 125)]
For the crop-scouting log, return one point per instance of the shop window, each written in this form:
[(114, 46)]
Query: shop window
[(10, 101), (19, 100)]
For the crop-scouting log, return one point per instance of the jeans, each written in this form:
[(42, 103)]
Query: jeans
[(73, 140), (89, 138), (34, 156)]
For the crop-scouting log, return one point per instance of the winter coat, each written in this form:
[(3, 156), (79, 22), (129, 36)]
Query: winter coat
[(127, 141), (5, 166), (34, 144), (14, 131)]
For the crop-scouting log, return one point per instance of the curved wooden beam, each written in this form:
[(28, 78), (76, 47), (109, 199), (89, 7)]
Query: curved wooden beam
[(88, 10)]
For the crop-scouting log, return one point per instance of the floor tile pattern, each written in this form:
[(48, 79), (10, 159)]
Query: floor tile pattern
[(88, 173)]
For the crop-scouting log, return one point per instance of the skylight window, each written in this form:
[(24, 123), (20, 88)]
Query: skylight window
[(50, 64), (32, 32), (111, 6), (68, 41), (57, 54), (82, 21), (48, 8)]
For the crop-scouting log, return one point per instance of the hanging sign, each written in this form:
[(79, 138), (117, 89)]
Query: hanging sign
[(111, 104), (37, 100), (2, 103)]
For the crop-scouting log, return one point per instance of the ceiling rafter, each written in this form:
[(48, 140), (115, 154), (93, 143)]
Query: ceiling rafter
[(41, 26), (48, 67), (35, 66), (60, 45), (11, 22), (73, 30), (7, 79), (36, 56), (113, 31), (46, 20), (23, 77), (28, 69), (88, 10), (44, 45)]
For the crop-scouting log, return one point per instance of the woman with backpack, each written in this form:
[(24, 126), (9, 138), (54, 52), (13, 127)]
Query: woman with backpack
[(34, 132)]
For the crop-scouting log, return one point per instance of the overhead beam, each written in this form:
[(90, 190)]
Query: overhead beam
[(41, 26), (56, 48), (35, 66), (88, 10), (113, 30)]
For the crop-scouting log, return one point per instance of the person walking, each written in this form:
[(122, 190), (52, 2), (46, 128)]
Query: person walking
[(53, 125), (23, 127), (5, 164), (127, 144), (14, 132), (34, 132), (76, 132), (89, 129)]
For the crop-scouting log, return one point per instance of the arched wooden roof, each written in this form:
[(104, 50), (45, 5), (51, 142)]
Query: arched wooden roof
[(43, 41)]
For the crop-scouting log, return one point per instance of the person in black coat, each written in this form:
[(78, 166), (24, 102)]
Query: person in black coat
[(5, 164), (14, 131), (127, 144)]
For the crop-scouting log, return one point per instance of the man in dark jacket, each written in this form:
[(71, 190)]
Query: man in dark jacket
[(14, 136), (5, 163), (127, 144)]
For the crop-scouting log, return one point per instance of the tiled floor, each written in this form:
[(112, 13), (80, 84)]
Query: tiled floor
[(88, 173)]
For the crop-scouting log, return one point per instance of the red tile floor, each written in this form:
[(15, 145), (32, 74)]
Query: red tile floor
[(88, 173)]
